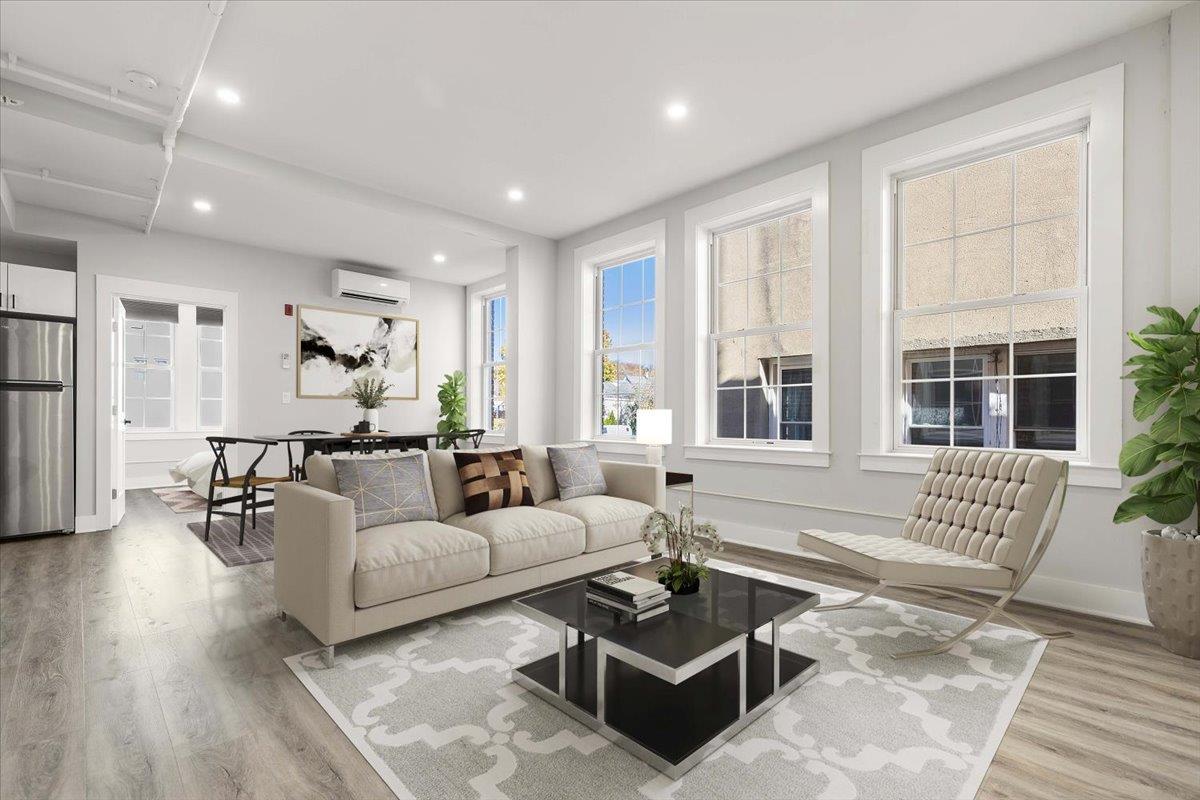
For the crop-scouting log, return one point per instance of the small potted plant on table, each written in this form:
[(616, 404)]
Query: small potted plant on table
[(369, 395), (686, 544), (1167, 377)]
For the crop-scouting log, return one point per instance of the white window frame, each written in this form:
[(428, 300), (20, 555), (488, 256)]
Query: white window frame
[(598, 348), (476, 341), (714, 336), (147, 368), (645, 240), (486, 366), (1079, 293), (807, 187), (1093, 101), (201, 370)]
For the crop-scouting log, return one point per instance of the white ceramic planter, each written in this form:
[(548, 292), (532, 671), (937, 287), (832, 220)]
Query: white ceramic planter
[(371, 417), (1171, 583)]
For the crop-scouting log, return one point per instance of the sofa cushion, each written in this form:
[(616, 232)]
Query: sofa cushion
[(386, 490), (492, 480), (447, 489), (540, 472), (411, 558), (577, 471), (608, 521), (524, 536), (319, 472)]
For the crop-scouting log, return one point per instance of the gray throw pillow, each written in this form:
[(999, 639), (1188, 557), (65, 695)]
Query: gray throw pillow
[(577, 471), (393, 488)]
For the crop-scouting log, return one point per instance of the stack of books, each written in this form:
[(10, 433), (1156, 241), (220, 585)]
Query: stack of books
[(629, 596)]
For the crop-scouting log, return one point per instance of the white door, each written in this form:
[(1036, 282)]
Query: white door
[(3, 285), (37, 290), (118, 413)]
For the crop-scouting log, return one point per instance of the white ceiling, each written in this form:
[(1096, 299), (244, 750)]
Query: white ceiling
[(450, 104)]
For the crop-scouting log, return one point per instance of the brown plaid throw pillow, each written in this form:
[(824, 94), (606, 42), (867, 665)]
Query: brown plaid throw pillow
[(492, 480)]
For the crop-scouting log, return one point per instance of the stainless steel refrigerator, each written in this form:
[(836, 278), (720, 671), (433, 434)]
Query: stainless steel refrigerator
[(37, 425)]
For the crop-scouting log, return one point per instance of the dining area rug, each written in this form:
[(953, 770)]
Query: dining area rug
[(180, 499), (258, 546), (433, 708)]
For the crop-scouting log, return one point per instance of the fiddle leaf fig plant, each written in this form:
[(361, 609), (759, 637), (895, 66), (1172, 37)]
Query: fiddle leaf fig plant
[(1167, 377), (452, 397)]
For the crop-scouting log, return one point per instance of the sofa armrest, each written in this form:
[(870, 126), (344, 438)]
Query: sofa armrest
[(314, 559), (646, 483)]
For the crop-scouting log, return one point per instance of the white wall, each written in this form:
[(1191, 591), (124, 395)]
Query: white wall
[(1093, 564), (264, 280)]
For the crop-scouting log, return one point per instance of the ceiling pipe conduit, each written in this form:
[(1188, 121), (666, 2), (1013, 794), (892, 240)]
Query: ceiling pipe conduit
[(11, 66), (45, 176), (216, 8)]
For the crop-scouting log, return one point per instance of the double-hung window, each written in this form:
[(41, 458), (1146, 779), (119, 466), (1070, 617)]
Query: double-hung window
[(990, 298), (625, 343), (494, 370), (210, 362), (761, 330), (149, 363)]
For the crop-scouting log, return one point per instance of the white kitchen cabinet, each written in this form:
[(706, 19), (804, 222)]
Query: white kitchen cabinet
[(37, 290)]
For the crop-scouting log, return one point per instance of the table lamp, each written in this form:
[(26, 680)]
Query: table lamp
[(654, 431)]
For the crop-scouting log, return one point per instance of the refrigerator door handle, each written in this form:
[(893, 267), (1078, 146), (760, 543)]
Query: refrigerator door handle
[(33, 386)]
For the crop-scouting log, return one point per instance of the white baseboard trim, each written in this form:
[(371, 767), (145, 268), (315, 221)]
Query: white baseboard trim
[(1086, 598), (151, 483)]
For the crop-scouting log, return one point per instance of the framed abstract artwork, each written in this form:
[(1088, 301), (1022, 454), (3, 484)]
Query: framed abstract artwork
[(334, 348)]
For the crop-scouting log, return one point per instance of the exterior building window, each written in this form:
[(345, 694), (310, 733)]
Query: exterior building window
[(625, 346), (990, 299), (149, 374), (495, 371), (761, 332)]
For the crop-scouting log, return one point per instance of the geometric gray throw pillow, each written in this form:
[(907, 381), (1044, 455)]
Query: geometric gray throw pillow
[(577, 471), (394, 488)]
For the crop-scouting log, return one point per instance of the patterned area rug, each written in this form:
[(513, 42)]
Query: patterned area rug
[(434, 711), (223, 539), (180, 500)]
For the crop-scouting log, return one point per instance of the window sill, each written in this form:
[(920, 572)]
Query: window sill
[(789, 456), (621, 446), (149, 436), (1081, 473)]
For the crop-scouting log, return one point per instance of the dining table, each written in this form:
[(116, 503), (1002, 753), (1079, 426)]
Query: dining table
[(315, 442)]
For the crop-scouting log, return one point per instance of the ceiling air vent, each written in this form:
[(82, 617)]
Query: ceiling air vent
[(9, 100)]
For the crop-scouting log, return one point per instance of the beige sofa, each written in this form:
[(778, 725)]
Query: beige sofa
[(342, 584)]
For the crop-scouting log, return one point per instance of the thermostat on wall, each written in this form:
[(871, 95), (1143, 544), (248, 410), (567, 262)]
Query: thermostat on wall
[(285, 360)]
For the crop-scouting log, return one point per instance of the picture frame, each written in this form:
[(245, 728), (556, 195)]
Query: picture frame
[(336, 346)]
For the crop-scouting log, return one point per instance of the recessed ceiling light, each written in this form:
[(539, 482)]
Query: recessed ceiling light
[(203, 206), (677, 111), (228, 96), (439, 258), (516, 194)]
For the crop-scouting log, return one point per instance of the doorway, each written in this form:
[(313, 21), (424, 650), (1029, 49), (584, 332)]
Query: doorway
[(167, 368)]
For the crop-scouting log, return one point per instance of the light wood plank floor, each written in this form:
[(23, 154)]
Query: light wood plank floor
[(134, 665)]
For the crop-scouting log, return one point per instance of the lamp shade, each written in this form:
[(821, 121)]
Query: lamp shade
[(654, 426)]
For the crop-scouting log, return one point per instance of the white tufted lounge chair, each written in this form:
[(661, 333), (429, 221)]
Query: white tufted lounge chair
[(974, 525)]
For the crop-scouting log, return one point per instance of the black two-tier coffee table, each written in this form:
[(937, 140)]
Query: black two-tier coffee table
[(674, 688)]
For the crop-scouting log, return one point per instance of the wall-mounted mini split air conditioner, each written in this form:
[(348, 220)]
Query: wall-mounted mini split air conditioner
[(372, 288)]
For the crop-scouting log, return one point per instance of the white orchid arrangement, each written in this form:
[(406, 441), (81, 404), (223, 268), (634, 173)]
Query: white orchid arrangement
[(686, 543)]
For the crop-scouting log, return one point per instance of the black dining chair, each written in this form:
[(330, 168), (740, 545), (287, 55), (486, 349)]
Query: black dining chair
[(297, 470), (248, 484)]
